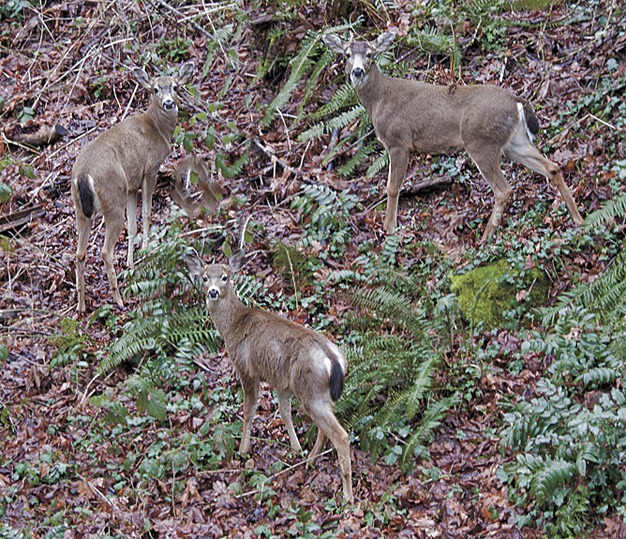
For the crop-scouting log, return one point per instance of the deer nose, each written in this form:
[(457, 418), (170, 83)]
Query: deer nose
[(169, 104), (358, 72), (214, 293)]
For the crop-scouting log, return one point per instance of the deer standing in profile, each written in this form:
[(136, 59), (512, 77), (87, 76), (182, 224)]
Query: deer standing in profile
[(292, 359), (487, 121), (110, 170)]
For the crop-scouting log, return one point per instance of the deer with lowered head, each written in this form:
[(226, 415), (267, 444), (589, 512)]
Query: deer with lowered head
[(110, 170), (487, 121), (211, 192), (291, 358)]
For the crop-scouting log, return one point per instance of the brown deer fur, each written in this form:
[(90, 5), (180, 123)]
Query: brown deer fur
[(111, 169), (292, 359), (212, 195), (487, 121)]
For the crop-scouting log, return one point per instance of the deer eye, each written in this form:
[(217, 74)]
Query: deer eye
[(368, 54), (224, 278), (348, 54)]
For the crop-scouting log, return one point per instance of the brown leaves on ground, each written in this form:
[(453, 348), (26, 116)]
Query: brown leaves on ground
[(64, 63)]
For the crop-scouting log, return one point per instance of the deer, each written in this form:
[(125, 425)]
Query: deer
[(110, 170), (292, 359), (410, 116), (212, 194)]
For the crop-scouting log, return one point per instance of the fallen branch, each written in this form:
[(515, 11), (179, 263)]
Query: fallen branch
[(18, 219), (44, 136)]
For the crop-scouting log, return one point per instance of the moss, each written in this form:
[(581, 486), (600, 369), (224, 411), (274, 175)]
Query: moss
[(485, 293)]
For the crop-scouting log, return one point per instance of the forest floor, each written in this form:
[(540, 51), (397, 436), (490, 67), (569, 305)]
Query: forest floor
[(66, 62)]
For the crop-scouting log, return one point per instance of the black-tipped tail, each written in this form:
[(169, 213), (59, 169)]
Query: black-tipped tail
[(531, 118), (336, 380), (86, 195)]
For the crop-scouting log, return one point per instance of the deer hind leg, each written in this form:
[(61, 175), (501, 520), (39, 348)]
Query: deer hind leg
[(83, 225), (323, 416), (131, 226), (114, 222), (250, 397), (488, 162), (398, 163), (284, 407), (319, 445), (521, 150)]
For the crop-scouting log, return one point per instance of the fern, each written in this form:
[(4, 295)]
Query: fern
[(551, 477), (389, 389), (301, 65), (381, 162), (568, 455)]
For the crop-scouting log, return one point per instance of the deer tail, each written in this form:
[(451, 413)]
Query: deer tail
[(336, 380), (527, 114), (86, 195)]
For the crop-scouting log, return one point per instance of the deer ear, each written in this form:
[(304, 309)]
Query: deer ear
[(185, 71), (193, 263), (384, 41), (142, 78), (334, 43), (236, 260)]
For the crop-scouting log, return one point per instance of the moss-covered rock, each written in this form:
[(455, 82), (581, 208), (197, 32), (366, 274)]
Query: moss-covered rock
[(486, 292)]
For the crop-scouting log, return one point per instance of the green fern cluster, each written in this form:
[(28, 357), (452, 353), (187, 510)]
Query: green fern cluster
[(389, 400), (325, 214), (309, 63), (568, 439)]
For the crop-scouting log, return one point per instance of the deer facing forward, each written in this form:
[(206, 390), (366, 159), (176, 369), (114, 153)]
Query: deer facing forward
[(487, 121), (111, 169), (292, 359)]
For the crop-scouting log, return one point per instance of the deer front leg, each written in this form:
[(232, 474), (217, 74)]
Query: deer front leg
[(147, 190), (398, 163), (284, 407), (131, 227), (250, 397)]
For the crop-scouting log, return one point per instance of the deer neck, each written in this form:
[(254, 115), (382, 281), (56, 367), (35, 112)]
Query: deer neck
[(225, 311), (371, 89), (164, 121)]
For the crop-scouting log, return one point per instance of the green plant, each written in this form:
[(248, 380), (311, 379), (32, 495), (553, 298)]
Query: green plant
[(389, 399), (12, 9), (310, 61), (325, 215), (568, 439)]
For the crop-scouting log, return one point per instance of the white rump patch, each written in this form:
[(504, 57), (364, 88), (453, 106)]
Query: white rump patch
[(522, 118), (319, 357)]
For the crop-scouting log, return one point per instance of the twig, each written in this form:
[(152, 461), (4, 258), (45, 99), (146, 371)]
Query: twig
[(181, 15), (288, 469), (275, 159)]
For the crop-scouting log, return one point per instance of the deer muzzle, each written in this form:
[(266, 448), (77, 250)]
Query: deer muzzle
[(358, 73), (169, 105), (213, 294)]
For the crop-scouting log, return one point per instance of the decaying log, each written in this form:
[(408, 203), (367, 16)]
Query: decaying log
[(13, 221), (44, 136)]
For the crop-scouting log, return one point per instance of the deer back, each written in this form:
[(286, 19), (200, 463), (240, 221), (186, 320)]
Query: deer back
[(429, 118)]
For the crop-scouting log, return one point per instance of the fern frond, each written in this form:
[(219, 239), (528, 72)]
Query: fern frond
[(611, 211), (554, 475), (379, 164), (431, 419)]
